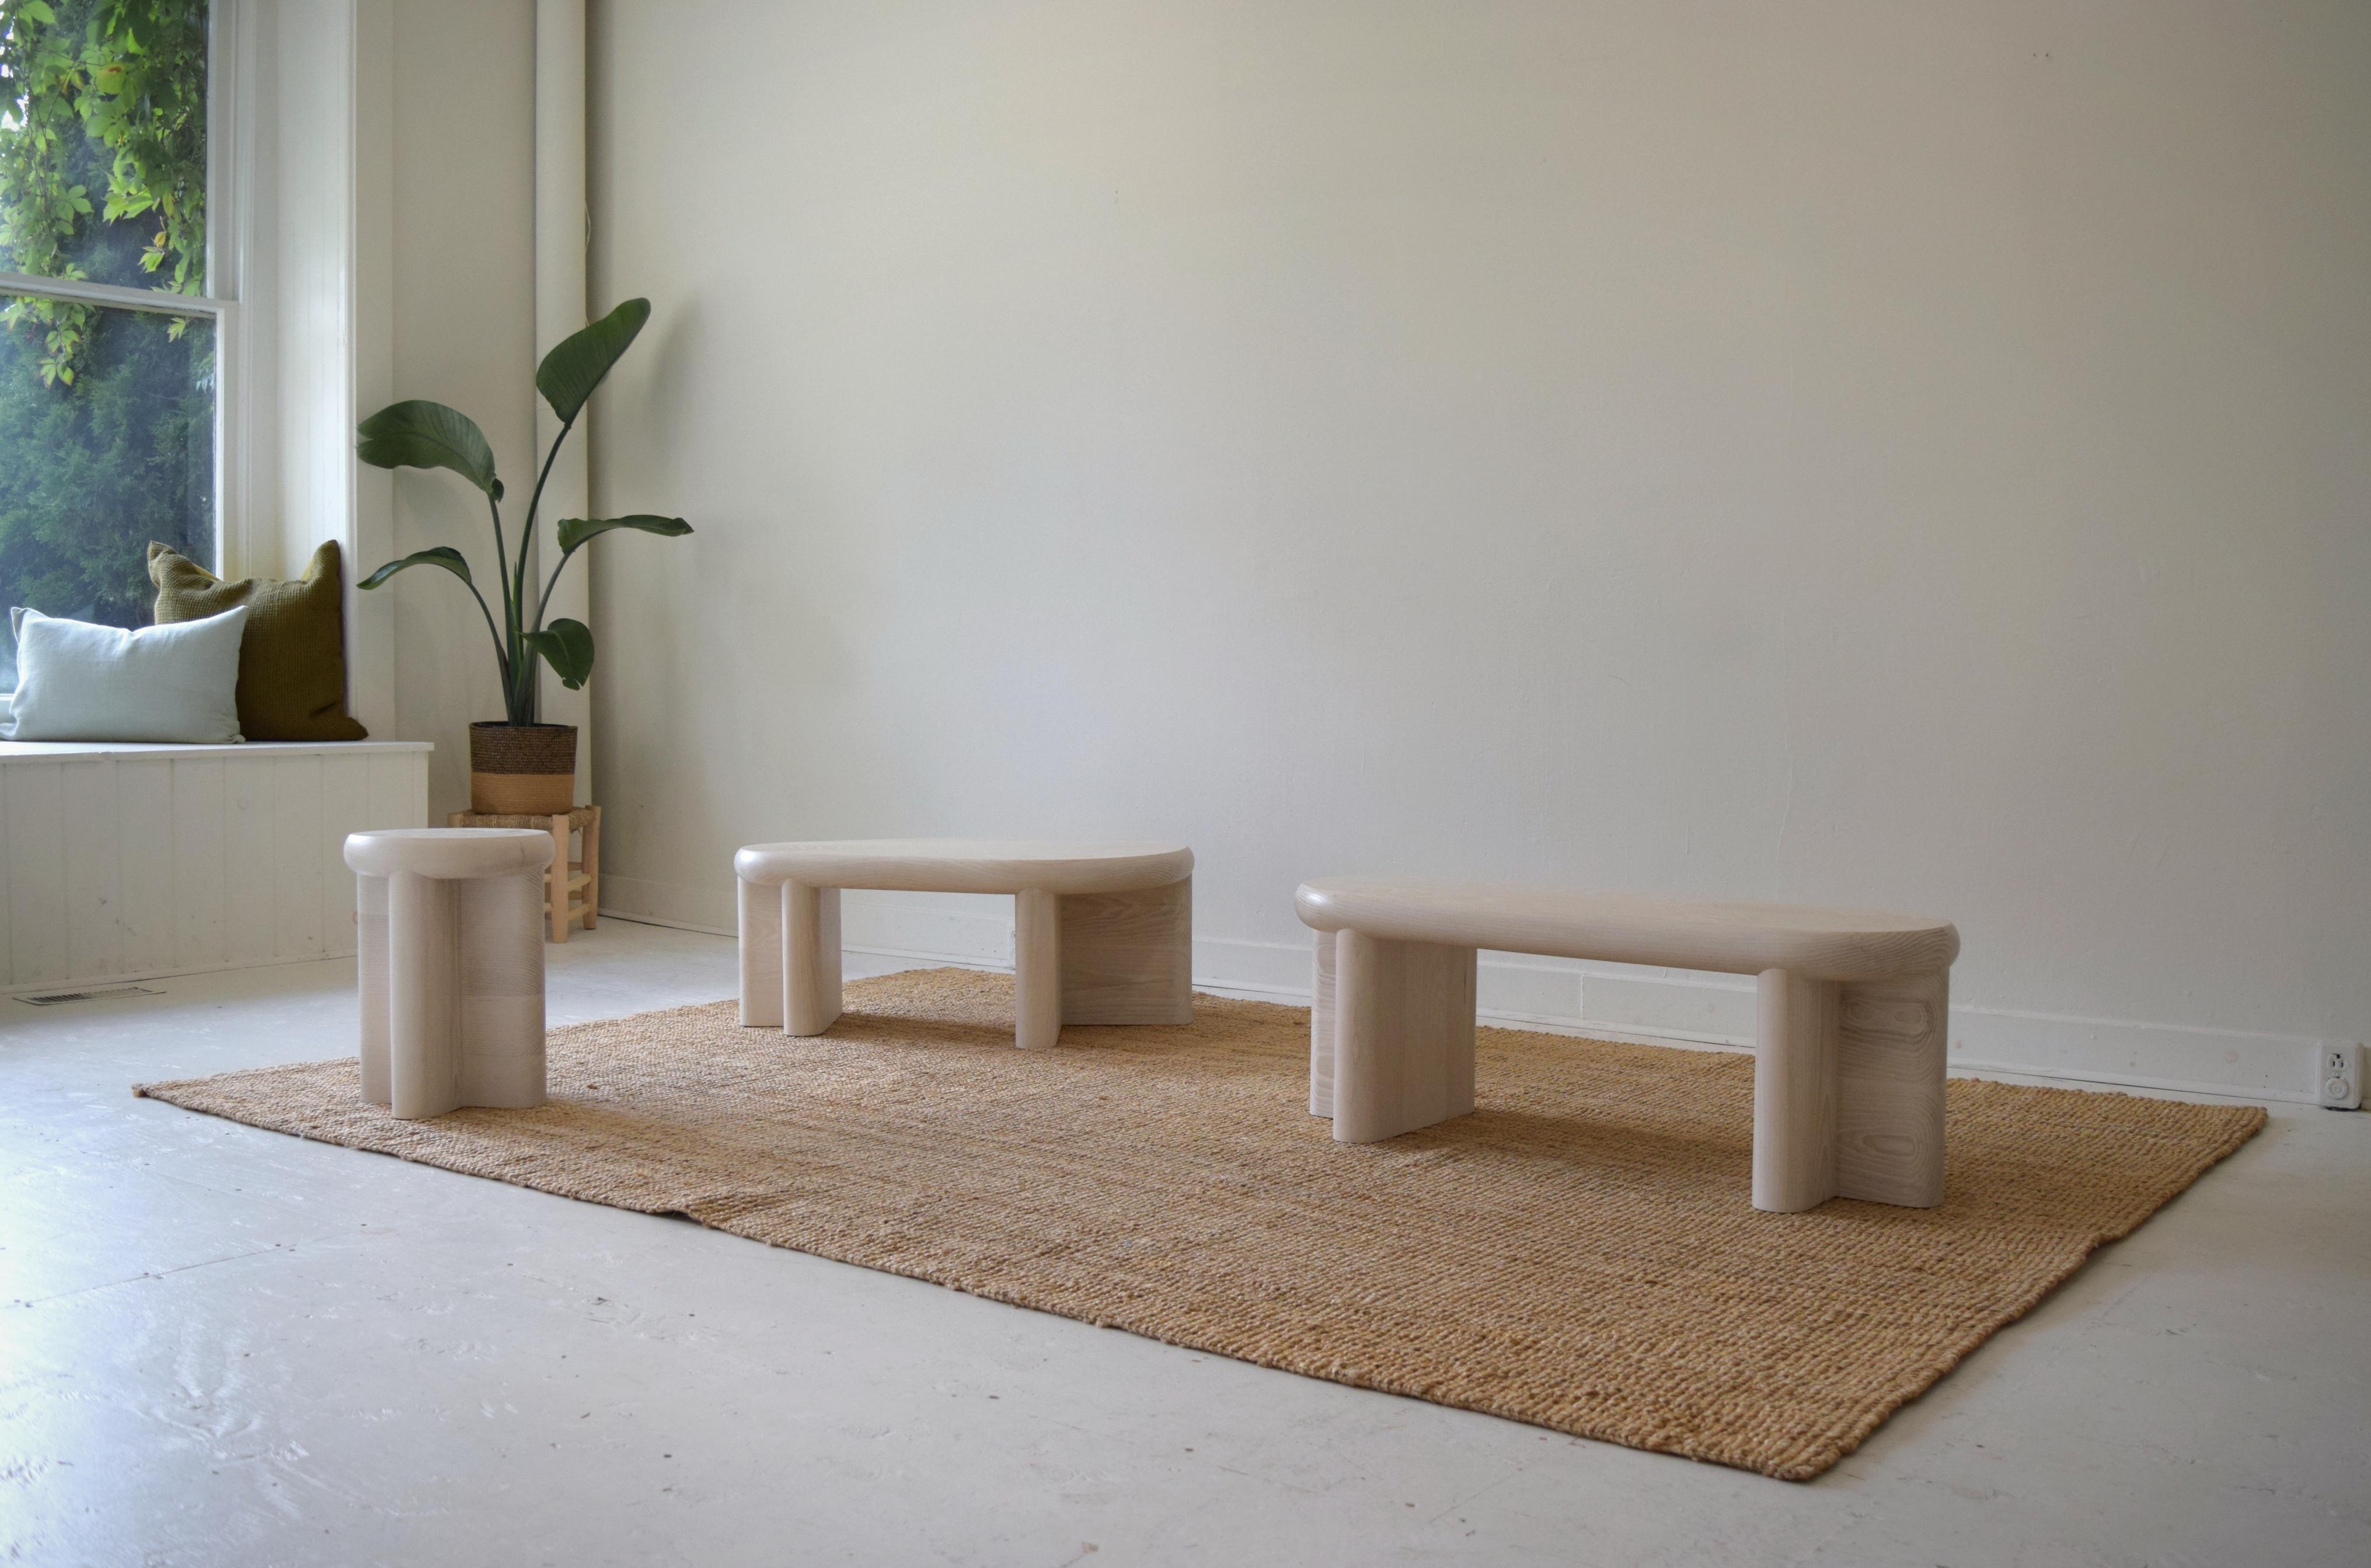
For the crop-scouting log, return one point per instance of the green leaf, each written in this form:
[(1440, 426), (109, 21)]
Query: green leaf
[(576, 530), (421, 434), (577, 363), (445, 556), (40, 11), (567, 646)]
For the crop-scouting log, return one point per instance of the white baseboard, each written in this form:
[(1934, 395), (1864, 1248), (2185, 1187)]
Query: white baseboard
[(1604, 1000)]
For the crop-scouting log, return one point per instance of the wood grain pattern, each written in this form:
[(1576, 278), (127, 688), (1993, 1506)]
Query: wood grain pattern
[(450, 984), (1854, 1008), (374, 978), (1403, 1036), (1892, 1039), (968, 865), (591, 837), (761, 940), (1127, 958), (1103, 933), (810, 957), (1036, 969), (1727, 936), (1321, 1023), (555, 879), (423, 1030), (571, 887), (501, 990), (1794, 1092)]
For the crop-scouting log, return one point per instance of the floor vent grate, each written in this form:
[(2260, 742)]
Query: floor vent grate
[(54, 998)]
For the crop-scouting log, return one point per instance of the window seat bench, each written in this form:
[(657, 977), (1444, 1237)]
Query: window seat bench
[(123, 861)]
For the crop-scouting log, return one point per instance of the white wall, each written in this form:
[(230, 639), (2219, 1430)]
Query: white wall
[(303, 348), (466, 336), (463, 288), (1908, 455), (384, 155)]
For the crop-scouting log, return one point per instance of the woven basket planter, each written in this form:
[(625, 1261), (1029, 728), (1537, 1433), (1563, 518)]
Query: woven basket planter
[(521, 768)]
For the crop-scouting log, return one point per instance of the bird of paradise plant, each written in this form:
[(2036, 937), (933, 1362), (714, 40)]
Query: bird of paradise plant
[(421, 434)]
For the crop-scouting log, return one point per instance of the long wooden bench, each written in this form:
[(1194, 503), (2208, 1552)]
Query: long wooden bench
[(1853, 1004), (1102, 933)]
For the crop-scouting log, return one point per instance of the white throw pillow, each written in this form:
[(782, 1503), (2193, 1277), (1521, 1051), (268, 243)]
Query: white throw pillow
[(80, 682)]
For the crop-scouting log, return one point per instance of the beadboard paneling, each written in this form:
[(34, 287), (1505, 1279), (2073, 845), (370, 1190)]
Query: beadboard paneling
[(121, 863)]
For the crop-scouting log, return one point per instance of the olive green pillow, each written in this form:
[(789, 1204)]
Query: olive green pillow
[(292, 663)]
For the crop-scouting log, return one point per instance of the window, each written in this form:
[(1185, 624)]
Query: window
[(108, 335)]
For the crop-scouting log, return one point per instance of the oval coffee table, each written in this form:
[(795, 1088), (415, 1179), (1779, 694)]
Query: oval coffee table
[(1102, 933)]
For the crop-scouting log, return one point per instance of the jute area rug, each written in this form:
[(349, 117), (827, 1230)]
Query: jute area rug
[(1579, 1252)]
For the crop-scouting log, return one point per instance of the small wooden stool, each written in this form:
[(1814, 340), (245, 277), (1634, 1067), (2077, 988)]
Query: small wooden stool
[(572, 895), (449, 968)]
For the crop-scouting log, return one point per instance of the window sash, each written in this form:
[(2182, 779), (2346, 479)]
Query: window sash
[(225, 156), (156, 302)]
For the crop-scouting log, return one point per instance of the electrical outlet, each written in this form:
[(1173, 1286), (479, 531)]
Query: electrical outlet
[(2338, 1076)]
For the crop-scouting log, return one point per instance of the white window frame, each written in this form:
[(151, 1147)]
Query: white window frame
[(220, 304)]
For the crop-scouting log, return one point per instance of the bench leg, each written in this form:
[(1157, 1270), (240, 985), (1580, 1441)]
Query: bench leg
[(1795, 1092), (810, 957), (1892, 1041), (1036, 969), (1127, 957), (1848, 1091), (1321, 1028), (761, 955), (1403, 1036)]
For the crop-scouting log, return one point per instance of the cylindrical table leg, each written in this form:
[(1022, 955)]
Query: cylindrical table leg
[(371, 980), (423, 995), (1795, 1092), (810, 957), (1321, 1027), (761, 955), (501, 990), (1036, 969)]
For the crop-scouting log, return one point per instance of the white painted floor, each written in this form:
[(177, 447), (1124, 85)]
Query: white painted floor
[(219, 1345)]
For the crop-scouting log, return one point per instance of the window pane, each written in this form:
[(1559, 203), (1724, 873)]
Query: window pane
[(103, 140), (93, 469)]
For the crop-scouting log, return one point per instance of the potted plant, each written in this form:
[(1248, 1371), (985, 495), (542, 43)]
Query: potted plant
[(515, 764)]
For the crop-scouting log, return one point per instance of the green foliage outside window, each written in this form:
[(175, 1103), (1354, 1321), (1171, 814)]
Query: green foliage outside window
[(106, 415)]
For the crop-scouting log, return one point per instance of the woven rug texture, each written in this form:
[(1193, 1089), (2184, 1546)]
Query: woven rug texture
[(1579, 1252)]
